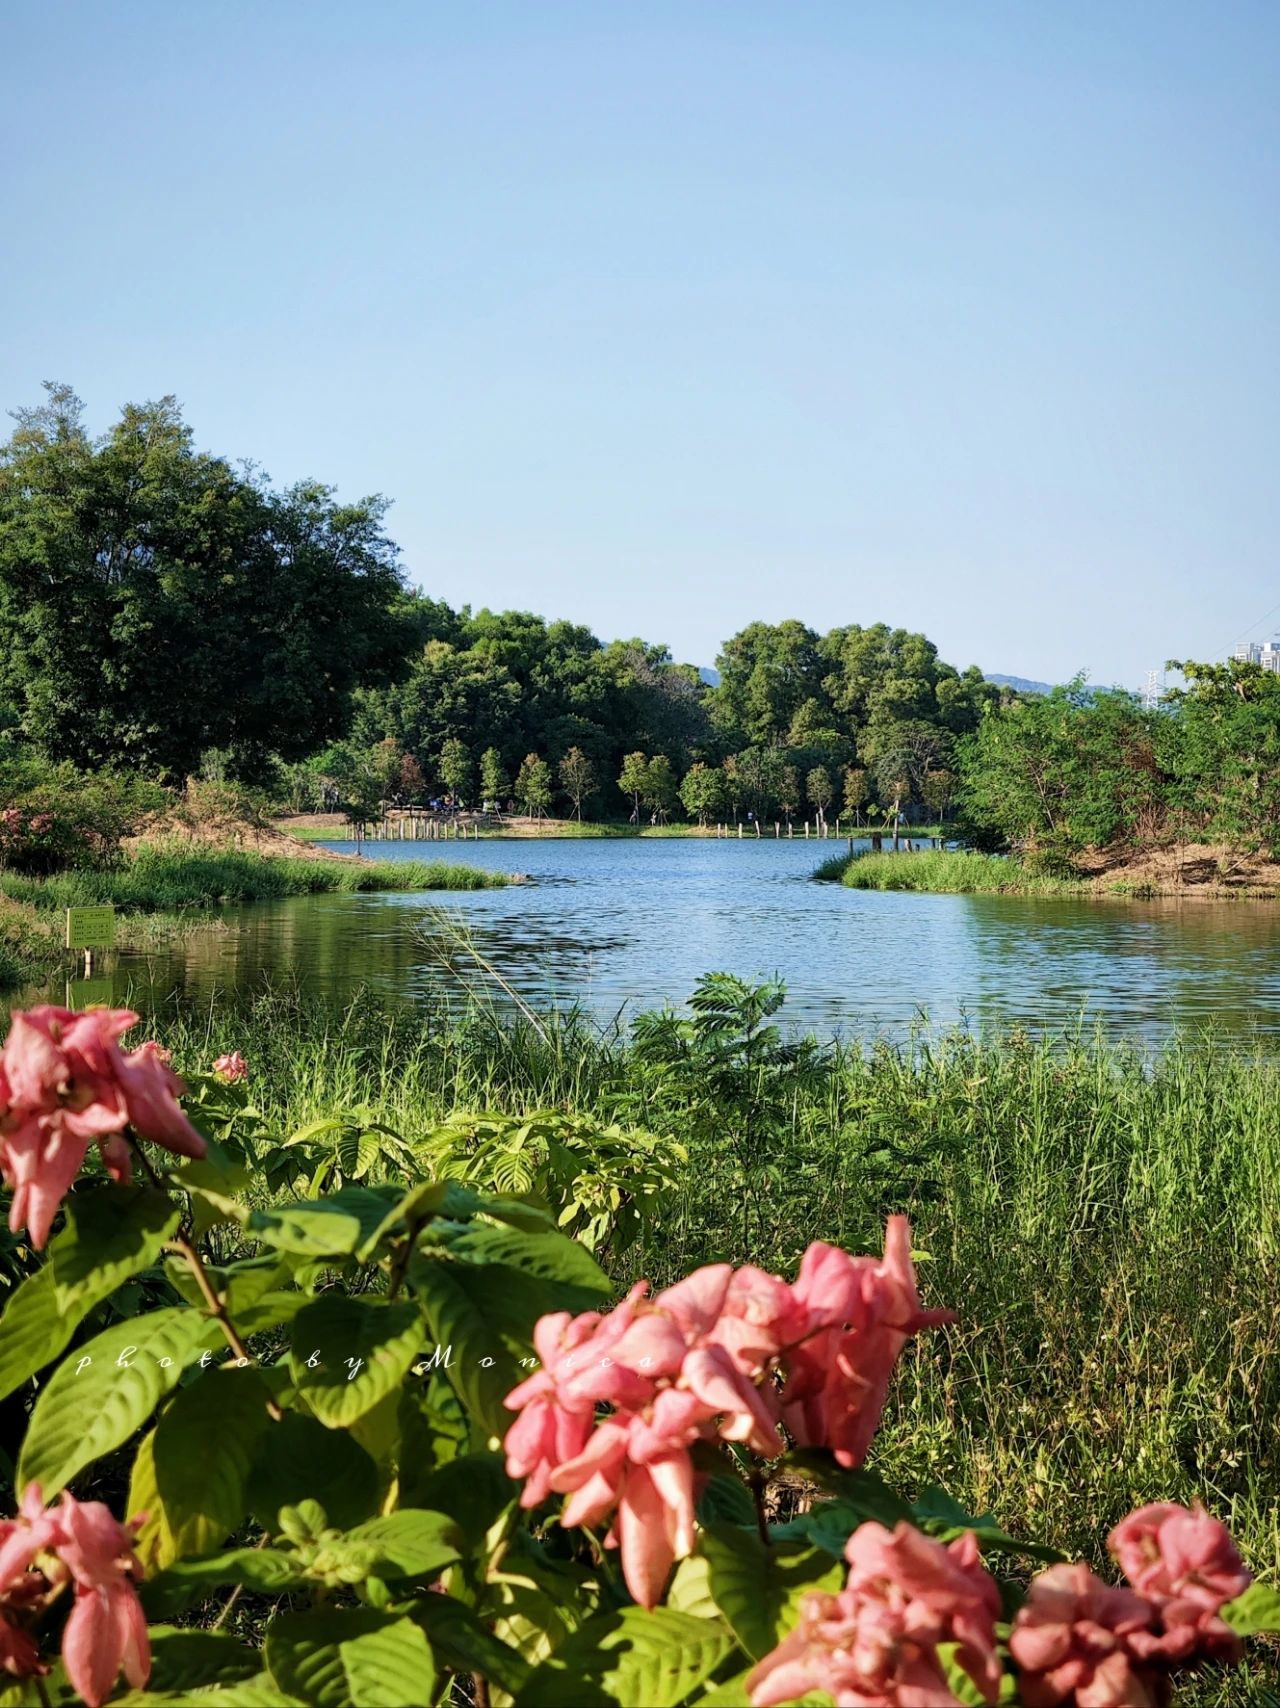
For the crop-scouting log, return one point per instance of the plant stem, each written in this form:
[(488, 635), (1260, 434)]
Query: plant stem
[(215, 1307), (757, 1494)]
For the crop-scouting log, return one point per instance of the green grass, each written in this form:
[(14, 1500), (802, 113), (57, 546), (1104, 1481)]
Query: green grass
[(165, 879), (1106, 1223), (945, 871)]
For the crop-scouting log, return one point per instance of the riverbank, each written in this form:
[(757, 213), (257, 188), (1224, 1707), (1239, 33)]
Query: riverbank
[(1197, 871), (164, 889), (1105, 1223), (335, 827)]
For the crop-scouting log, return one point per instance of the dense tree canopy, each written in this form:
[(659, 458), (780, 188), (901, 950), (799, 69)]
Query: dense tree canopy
[(156, 603), (165, 610)]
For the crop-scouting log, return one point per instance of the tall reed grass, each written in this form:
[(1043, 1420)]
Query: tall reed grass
[(951, 871), (167, 879)]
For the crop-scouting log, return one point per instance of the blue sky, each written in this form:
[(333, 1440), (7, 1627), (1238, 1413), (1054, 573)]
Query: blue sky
[(664, 317)]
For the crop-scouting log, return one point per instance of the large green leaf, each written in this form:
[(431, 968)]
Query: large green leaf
[(548, 1255), (350, 1352), (111, 1234), (463, 1644), (99, 1247), (331, 1227), (268, 1571), (299, 1459), (485, 1313), (1257, 1610), (407, 1543), (186, 1660), (352, 1658), (473, 1490), (200, 1457), (96, 1400), (452, 1201), (629, 1659), (759, 1589)]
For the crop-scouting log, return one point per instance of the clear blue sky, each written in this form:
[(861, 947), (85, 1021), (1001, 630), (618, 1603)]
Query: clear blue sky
[(664, 317)]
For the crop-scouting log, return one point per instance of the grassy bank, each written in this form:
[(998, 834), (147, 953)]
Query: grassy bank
[(161, 892), (1106, 1223), (948, 871)]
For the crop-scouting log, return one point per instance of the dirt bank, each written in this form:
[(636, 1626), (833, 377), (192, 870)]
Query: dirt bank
[(1196, 869)]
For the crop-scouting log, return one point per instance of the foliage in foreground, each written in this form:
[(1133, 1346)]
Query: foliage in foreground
[(327, 1378)]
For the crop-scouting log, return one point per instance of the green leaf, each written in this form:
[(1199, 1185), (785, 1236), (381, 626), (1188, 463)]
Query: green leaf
[(462, 1643), (350, 1352), (111, 1234), (353, 1658), (186, 1660), (759, 1589), (451, 1201), (629, 1659), (98, 1397), (298, 1458), (408, 1543), (1255, 1611), (550, 1256), (959, 1681), (45, 1310), (333, 1227), (941, 1516), (200, 1457), (267, 1571), (862, 1490), (473, 1490), (485, 1313), (255, 1692)]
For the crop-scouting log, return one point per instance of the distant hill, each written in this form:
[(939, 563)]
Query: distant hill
[(1023, 684), (709, 676)]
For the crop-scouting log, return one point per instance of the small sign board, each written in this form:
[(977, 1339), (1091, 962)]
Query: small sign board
[(91, 927)]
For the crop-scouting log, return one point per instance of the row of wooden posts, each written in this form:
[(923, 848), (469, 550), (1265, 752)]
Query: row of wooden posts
[(411, 827)]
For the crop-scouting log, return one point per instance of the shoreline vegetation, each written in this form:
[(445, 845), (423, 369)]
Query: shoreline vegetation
[(1088, 1368), (165, 889), (1198, 872)]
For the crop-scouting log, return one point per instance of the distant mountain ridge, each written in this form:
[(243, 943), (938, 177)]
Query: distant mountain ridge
[(1023, 684)]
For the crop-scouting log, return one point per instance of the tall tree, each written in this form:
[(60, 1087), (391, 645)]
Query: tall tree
[(633, 780), (533, 786), (494, 783), (456, 768), (577, 778)]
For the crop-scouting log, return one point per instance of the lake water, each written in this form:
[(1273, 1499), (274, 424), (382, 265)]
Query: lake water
[(624, 925)]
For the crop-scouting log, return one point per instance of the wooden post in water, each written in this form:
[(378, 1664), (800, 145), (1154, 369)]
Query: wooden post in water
[(777, 830), (739, 830)]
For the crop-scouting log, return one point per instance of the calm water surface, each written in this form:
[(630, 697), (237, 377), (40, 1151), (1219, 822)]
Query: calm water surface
[(627, 925)]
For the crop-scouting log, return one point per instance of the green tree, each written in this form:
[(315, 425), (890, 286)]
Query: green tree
[(156, 603), (633, 780), (789, 792), (494, 783), (456, 768), (857, 791), (577, 778), (533, 786), (818, 788), (704, 793), (660, 793)]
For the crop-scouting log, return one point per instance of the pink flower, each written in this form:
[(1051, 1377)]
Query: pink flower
[(65, 1083), (699, 1362), (875, 1644), (231, 1067), (1073, 1641), (81, 1544), (1186, 1563), (863, 1313)]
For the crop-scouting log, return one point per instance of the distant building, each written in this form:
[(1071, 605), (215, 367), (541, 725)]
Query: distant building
[(1265, 653)]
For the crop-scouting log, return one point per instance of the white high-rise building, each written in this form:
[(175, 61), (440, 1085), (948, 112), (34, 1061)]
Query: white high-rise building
[(1265, 653)]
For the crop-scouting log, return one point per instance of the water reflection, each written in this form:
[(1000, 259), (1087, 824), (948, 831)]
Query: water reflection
[(615, 925)]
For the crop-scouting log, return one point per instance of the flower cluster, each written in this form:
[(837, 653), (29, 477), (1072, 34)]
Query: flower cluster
[(1076, 1641), (877, 1642), (701, 1361), (66, 1083), (1080, 1640), (230, 1068), (81, 1546)]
